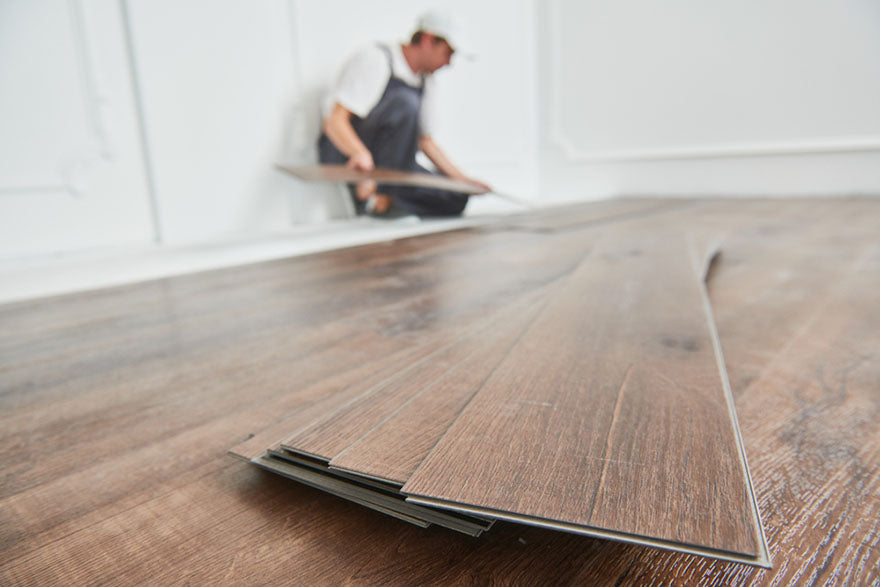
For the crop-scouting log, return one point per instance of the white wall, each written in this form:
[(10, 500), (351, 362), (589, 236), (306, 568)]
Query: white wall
[(214, 76), (71, 165), (487, 118), (130, 122), (228, 88), (688, 97)]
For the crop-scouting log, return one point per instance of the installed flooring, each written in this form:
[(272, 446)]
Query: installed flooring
[(118, 406)]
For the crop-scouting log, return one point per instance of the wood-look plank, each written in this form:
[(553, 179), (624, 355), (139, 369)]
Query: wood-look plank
[(171, 508), (610, 415), (373, 498), (342, 173), (394, 448), (467, 300), (329, 436), (340, 387), (331, 485), (247, 346), (152, 401), (571, 217), (562, 253)]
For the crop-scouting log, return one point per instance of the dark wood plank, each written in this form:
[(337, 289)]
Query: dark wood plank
[(240, 344), (326, 395), (578, 217), (610, 414), (330, 435), (129, 499), (394, 448), (334, 486), (515, 268)]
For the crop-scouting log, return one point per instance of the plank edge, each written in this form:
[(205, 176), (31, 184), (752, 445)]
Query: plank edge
[(762, 560)]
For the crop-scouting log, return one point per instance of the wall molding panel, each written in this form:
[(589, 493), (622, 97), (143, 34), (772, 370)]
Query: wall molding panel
[(695, 100), (69, 178), (559, 133), (73, 176)]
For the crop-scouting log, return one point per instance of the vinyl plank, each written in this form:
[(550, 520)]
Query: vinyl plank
[(329, 436), (274, 345), (336, 390), (316, 474), (108, 501), (808, 399), (121, 328), (393, 449), (610, 415), (577, 217), (330, 485), (454, 304)]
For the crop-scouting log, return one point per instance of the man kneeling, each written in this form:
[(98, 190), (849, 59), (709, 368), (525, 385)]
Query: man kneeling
[(381, 116)]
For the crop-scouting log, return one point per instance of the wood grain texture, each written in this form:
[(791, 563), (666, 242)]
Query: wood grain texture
[(328, 394), (610, 413), (333, 433), (394, 448), (472, 292), (145, 387), (332, 485)]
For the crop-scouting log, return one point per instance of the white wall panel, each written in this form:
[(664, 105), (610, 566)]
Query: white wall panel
[(71, 167), (215, 78), (134, 121), (690, 97)]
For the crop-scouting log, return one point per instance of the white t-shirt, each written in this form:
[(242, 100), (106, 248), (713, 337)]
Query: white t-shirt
[(363, 79)]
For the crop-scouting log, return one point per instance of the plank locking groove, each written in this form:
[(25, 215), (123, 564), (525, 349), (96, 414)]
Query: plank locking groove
[(343, 173), (374, 495), (506, 270), (332, 486), (609, 415)]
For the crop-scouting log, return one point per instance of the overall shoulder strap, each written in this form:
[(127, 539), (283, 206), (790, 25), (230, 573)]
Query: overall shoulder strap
[(387, 51)]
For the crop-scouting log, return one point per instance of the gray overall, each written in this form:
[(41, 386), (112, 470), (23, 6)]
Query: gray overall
[(391, 132)]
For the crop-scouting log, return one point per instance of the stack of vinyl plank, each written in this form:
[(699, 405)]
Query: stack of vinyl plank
[(584, 390)]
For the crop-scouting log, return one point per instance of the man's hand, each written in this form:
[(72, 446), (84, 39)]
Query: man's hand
[(445, 166), (338, 128), (480, 184), (361, 161)]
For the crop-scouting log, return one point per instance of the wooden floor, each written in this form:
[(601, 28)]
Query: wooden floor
[(117, 408), (609, 413)]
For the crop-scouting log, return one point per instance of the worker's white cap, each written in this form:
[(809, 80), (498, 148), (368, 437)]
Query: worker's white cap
[(441, 23)]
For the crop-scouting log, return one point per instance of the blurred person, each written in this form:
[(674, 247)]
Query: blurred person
[(382, 114)]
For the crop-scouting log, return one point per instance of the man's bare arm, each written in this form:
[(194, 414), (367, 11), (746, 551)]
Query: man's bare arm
[(338, 128), (444, 164)]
